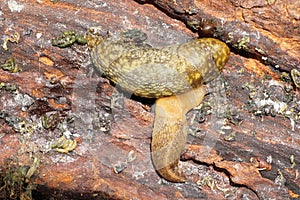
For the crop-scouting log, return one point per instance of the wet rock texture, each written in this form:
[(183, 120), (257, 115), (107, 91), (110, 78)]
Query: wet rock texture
[(67, 133)]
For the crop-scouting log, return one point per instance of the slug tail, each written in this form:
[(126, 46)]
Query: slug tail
[(168, 141), (170, 132)]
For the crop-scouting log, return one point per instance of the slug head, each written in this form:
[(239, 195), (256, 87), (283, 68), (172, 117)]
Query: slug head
[(220, 52), (208, 56)]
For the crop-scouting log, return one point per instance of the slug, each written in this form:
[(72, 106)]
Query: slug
[(174, 75)]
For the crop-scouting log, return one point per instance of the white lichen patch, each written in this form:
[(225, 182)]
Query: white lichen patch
[(14, 6), (24, 100), (275, 98), (277, 105)]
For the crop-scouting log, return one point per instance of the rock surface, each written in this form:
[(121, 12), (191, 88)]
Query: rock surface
[(244, 139)]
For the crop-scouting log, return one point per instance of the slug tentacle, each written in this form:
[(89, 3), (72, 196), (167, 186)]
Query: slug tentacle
[(173, 74)]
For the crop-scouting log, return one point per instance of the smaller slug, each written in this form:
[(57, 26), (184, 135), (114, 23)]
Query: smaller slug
[(174, 75), (207, 28)]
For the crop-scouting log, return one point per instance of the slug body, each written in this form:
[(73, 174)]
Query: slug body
[(158, 72), (173, 74)]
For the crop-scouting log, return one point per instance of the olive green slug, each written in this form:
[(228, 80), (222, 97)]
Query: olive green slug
[(174, 75)]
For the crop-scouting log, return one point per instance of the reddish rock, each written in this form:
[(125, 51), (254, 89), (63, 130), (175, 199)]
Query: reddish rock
[(257, 111)]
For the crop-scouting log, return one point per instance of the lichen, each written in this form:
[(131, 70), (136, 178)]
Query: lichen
[(271, 1), (68, 38), (192, 10), (259, 50), (296, 77), (242, 43), (64, 145), (210, 182), (273, 98), (8, 87), (122, 165), (11, 66), (23, 100), (15, 6), (50, 121), (14, 39)]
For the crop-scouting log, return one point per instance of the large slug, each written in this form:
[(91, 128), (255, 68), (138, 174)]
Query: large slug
[(172, 74)]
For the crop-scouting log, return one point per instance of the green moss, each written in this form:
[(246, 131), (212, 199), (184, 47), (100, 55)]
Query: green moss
[(16, 180)]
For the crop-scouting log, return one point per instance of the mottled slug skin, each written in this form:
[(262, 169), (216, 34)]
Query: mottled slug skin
[(158, 72), (173, 74)]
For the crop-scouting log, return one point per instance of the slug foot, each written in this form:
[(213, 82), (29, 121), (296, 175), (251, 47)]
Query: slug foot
[(170, 132)]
